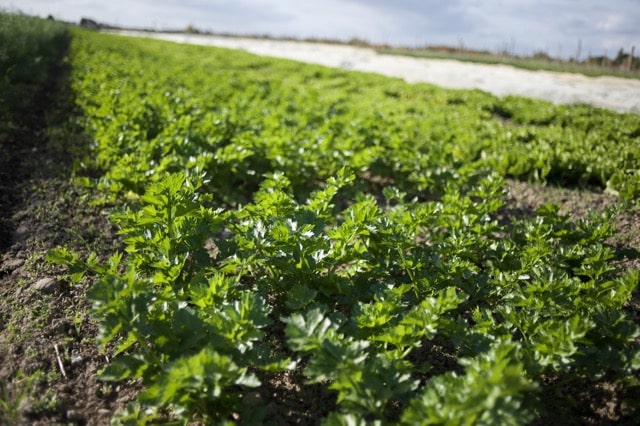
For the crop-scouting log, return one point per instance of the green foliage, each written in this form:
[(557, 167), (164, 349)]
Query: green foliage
[(492, 391), (29, 47), (279, 217), (161, 109), (364, 381)]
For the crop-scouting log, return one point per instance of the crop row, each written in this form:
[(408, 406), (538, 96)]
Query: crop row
[(344, 232), (240, 116), (29, 48)]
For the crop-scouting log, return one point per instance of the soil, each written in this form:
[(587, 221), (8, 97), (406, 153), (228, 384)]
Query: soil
[(49, 358)]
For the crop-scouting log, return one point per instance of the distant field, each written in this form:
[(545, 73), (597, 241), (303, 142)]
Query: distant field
[(529, 63), (592, 66), (618, 94)]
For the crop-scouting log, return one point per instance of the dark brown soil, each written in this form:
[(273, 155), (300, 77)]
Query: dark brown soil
[(49, 359)]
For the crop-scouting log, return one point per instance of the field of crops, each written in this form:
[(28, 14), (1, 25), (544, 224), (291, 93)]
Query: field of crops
[(343, 238), (285, 219)]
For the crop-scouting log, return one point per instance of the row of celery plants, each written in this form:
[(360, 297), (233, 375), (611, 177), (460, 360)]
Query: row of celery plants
[(285, 220), (165, 108)]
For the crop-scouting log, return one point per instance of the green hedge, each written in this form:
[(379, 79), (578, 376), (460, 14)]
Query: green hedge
[(29, 47)]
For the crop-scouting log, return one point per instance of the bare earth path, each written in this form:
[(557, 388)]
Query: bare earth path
[(614, 93)]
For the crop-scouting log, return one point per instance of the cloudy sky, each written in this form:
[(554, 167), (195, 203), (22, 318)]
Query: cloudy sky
[(524, 26)]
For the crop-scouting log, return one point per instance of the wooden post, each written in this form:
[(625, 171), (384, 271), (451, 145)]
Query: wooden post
[(630, 64), (579, 50)]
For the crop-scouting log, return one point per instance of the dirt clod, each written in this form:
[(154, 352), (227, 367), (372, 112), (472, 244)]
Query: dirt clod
[(47, 285), (12, 264)]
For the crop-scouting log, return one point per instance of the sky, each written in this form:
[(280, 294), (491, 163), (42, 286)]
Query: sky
[(524, 27)]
